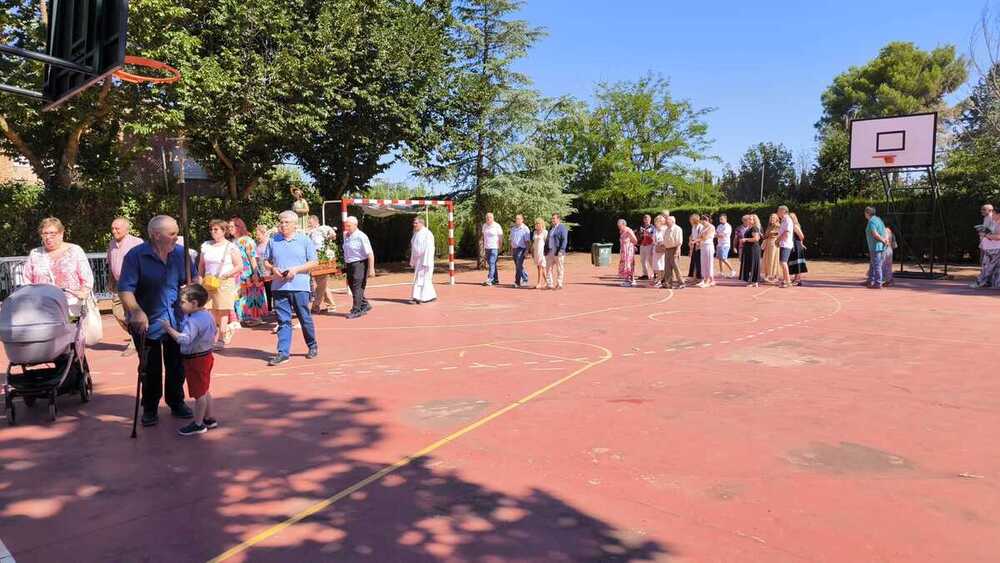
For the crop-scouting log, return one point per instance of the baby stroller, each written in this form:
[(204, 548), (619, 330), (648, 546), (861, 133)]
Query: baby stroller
[(45, 349)]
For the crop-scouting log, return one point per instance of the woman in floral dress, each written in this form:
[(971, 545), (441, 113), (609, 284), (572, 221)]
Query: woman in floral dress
[(626, 256), (251, 302), (61, 264)]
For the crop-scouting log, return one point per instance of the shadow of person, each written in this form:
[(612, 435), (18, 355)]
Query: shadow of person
[(167, 498)]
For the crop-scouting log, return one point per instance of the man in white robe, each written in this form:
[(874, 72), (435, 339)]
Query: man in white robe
[(422, 261)]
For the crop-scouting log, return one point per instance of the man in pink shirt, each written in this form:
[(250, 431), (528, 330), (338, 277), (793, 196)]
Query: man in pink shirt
[(121, 243)]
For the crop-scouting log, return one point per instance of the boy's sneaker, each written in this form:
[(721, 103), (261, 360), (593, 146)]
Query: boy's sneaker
[(210, 423), (192, 429)]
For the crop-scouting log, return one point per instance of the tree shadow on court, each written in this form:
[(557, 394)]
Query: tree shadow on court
[(80, 489)]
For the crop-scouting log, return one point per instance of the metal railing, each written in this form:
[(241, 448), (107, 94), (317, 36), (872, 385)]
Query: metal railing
[(12, 268)]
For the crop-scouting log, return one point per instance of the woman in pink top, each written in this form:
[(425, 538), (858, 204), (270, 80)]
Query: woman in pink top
[(626, 256), (61, 264)]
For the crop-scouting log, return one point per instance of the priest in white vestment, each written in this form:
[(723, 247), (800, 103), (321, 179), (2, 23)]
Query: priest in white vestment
[(422, 261)]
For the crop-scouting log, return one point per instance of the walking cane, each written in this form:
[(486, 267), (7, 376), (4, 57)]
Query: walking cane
[(138, 384)]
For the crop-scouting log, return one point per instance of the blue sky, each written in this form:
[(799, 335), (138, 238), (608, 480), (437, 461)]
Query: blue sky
[(762, 64)]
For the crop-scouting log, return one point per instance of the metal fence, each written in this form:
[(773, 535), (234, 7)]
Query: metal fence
[(12, 267)]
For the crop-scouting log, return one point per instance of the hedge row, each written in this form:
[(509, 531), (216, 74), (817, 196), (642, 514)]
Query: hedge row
[(834, 229)]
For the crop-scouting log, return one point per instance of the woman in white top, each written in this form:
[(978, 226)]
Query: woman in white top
[(538, 239), (706, 244), (220, 259), (659, 251)]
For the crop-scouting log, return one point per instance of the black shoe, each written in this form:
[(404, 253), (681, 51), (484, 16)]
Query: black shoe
[(358, 314), (181, 411), (210, 423), (150, 418), (428, 301), (312, 353), (278, 359), (365, 308), (192, 429)]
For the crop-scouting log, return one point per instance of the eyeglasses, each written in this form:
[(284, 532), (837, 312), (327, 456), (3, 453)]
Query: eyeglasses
[(50, 233)]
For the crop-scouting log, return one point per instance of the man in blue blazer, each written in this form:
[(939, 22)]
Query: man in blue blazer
[(555, 253)]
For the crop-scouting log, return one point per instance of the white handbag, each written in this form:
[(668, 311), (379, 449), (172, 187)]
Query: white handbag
[(93, 328)]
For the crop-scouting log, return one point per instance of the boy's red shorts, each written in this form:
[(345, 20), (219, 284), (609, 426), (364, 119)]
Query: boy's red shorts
[(198, 373)]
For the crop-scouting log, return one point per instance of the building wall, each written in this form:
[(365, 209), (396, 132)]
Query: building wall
[(15, 169)]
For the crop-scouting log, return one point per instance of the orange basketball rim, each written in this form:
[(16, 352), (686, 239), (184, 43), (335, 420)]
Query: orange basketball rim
[(172, 74)]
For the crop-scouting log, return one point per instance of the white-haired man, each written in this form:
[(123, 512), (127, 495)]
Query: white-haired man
[(152, 275), (422, 261), (359, 260), (121, 242), (290, 255)]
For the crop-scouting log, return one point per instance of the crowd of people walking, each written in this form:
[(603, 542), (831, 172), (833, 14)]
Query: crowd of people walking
[(774, 255)]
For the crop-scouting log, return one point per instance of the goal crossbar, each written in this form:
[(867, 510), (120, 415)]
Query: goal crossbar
[(449, 204)]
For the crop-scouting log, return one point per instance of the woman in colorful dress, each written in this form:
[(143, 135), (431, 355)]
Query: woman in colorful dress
[(61, 264), (251, 302), (797, 259), (538, 239), (769, 247), (750, 253), (626, 254)]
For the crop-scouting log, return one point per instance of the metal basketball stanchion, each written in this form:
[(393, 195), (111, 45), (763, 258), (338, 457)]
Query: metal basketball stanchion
[(143, 354)]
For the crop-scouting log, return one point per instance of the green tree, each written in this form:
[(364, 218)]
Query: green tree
[(635, 147), (902, 79), (493, 105), (973, 163), (775, 161), (394, 90), (98, 133)]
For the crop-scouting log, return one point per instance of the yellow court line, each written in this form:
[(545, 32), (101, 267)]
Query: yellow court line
[(535, 353), (403, 462)]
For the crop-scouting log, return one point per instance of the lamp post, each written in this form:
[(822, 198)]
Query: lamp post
[(763, 167)]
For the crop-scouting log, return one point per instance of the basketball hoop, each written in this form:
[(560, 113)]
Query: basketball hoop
[(133, 60), (886, 158)]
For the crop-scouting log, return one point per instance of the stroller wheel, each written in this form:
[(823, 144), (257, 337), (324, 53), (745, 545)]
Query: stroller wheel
[(29, 401), (86, 388)]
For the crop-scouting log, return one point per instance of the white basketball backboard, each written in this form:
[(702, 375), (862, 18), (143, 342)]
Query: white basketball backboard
[(905, 141)]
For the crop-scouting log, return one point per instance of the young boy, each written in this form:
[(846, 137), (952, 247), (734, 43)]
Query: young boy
[(196, 340)]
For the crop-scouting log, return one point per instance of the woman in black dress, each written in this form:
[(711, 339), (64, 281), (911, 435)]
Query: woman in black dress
[(750, 255), (694, 268)]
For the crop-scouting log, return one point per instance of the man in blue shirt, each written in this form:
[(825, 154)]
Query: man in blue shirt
[(875, 235), (290, 256), (520, 240), (151, 278)]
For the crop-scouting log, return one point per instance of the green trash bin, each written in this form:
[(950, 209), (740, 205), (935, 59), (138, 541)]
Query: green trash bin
[(600, 254)]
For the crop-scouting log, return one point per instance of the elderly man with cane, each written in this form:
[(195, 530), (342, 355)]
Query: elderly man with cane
[(152, 275), (290, 255)]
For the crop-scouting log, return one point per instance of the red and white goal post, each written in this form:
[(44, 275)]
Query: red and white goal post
[(410, 203)]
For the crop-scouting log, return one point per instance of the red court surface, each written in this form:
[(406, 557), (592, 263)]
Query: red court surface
[(598, 423)]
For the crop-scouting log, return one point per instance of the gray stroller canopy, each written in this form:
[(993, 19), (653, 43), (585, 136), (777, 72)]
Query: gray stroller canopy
[(34, 313)]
